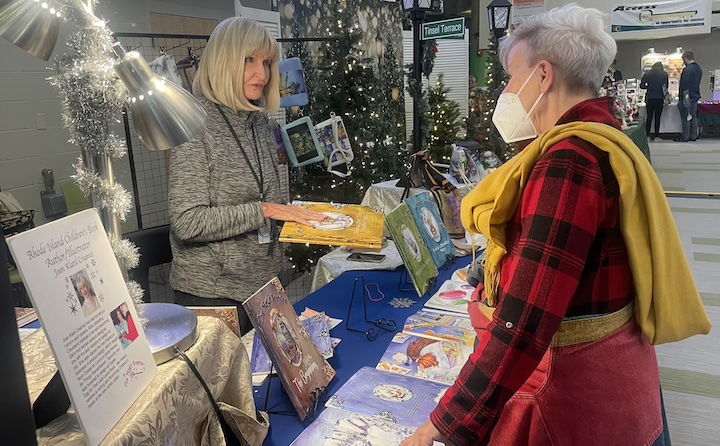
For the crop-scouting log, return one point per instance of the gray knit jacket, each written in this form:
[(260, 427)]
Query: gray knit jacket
[(214, 207)]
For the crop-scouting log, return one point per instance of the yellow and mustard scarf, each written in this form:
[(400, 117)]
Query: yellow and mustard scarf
[(668, 306)]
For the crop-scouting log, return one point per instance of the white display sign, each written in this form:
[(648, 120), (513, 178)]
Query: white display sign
[(660, 19), (91, 324), (524, 9)]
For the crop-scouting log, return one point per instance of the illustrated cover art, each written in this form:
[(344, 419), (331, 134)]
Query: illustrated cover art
[(347, 225), (401, 399), (337, 427), (453, 295), (433, 231), (416, 257), (441, 326), (439, 361), (293, 89), (304, 372)]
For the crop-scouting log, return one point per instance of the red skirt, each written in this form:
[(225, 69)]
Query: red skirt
[(600, 393)]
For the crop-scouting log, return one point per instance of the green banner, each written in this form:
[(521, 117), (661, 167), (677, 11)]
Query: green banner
[(444, 29)]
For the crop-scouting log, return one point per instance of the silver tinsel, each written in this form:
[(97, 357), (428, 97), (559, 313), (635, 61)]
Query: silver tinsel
[(126, 252), (92, 98), (107, 196), (136, 293)]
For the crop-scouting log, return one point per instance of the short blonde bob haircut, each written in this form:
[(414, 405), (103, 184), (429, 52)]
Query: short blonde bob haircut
[(220, 77)]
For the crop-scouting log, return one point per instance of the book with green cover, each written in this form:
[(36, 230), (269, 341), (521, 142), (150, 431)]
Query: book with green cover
[(416, 256), (433, 231)]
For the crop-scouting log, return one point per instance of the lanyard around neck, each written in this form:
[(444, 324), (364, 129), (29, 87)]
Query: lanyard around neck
[(259, 178)]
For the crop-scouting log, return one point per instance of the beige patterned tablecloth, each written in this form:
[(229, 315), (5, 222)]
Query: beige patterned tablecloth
[(174, 409)]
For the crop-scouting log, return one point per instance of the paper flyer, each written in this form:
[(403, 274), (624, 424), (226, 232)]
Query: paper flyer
[(92, 326)]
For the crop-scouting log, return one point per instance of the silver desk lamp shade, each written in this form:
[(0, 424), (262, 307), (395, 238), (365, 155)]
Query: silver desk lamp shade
[(31, 25), (164, 114)]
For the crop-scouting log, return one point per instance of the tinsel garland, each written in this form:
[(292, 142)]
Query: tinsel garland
[(92, 98)]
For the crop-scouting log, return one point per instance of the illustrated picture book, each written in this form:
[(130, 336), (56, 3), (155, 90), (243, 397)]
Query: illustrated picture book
[(453, 295), (337, 427), (303, 371), (416, 257), (427, 218), (24, 316), (401, 399), (441, 326), (78, 291), (346, 225), (423, 358)]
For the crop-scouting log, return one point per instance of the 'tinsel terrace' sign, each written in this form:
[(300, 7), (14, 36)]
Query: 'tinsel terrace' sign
[(443, 29)]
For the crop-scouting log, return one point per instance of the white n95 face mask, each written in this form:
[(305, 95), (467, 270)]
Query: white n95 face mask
[(510, 117)]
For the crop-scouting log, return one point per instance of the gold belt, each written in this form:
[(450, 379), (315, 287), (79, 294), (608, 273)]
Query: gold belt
[(591, 328), (582, 329)]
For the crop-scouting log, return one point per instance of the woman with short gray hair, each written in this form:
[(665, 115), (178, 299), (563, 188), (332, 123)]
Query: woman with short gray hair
[(581, 247)]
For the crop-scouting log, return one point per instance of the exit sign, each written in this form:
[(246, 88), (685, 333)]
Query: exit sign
[(444, 29)]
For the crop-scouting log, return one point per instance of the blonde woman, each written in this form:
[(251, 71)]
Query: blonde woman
[(86, 294), (225, 185)]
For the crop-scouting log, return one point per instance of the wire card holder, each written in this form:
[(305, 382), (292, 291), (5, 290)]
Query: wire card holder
[(381, 324), (315, 395)]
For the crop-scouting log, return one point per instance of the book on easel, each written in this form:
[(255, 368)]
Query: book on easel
[(415, 255), (427, 217), (303, 371), (347, 225)]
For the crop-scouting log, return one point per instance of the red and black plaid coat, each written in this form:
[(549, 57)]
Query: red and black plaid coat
[(566, 257)]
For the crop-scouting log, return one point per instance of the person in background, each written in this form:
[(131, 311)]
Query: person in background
[(581, 246), (616, 74), (227, 186), (689, 97), (655, 82)]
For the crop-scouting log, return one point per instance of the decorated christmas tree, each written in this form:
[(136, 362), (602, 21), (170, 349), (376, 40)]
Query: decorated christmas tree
[(372, 110), (444, 122), (496, 80)]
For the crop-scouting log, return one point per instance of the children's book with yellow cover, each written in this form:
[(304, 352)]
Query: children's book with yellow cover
[(347, 225)]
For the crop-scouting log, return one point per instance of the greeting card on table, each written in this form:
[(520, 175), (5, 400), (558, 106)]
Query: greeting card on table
[(346, 225), (402, 399), (416, 257), (337, 427), (453, 295), (423, 358), (441, 326), (427, 217), (71, 275), (304, 372)]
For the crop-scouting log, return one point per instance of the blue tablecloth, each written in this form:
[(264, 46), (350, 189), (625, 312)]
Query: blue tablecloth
[(355, 351)]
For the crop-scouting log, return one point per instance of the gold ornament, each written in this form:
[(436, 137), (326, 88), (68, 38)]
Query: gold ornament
[(395, 94)]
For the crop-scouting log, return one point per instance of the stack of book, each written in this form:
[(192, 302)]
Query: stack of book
[(384, 406)]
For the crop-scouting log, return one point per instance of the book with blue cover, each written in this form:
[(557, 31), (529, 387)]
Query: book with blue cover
[(401, 399), (441, 326), (337, 427), (427, 217), (423, 358)]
